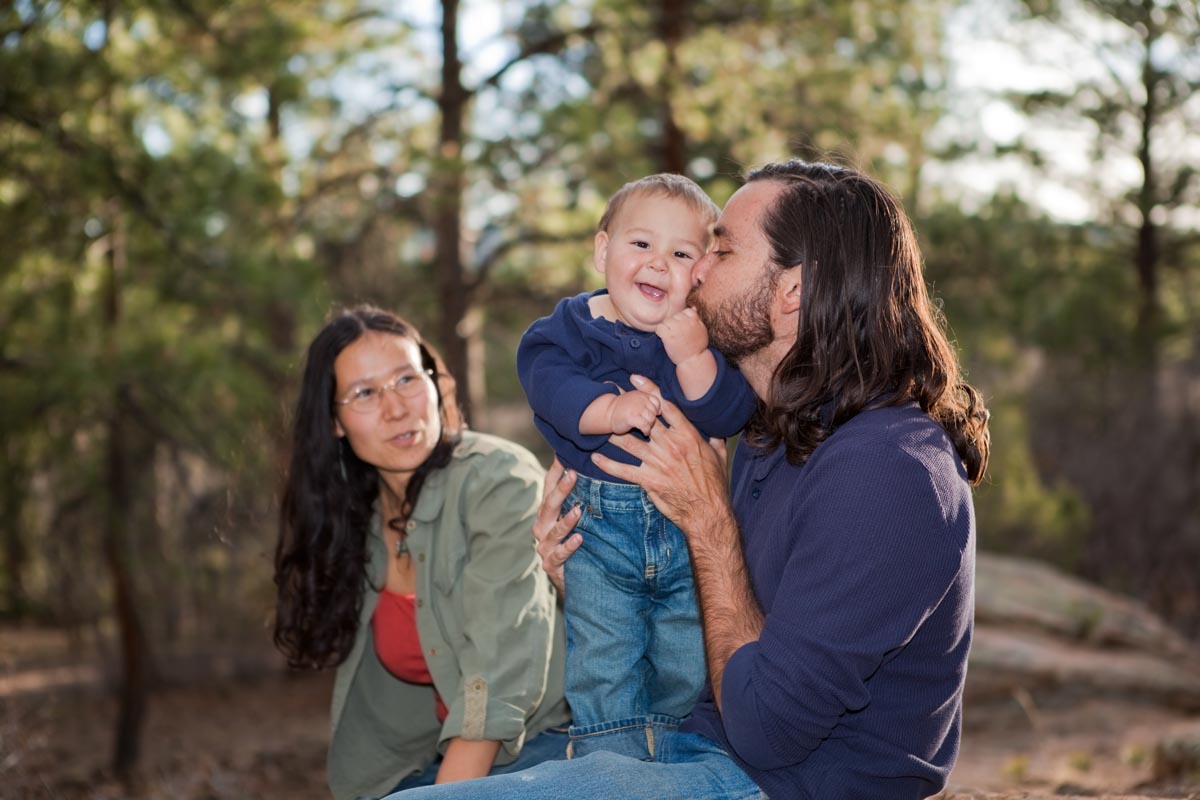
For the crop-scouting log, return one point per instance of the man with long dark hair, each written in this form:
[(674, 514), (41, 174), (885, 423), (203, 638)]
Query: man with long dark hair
[(836, 572)]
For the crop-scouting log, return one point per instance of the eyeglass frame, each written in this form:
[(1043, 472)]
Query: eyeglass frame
[(390, 386)]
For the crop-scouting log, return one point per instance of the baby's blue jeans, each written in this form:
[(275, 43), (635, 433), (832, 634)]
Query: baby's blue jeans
[(635, 653)]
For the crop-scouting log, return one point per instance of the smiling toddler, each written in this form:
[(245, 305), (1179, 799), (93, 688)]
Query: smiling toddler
[(635, 655)]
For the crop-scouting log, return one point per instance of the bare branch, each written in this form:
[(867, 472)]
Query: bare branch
[(1126, 91), (420, 91), (521, 240), (365, 15), (199, 440), (546, 46), (326, 185), (19, 30), (199, 21)]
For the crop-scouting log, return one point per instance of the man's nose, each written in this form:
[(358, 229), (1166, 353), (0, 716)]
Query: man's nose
[(701, 267)]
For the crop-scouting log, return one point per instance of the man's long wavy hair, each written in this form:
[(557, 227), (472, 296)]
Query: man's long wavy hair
[(868, 333), (329, 495)]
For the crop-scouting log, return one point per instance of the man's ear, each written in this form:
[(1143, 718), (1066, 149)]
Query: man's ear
[(600, 251), (788, 290)]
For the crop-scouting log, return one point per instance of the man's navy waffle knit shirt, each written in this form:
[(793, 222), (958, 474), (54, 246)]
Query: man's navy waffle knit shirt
[(863, 562)]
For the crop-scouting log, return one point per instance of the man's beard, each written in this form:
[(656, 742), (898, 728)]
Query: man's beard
[(741, 326)]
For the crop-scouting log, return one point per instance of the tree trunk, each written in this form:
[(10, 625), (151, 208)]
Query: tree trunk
[(1147, 255), (132, 692), (673, 150), (16, 555), (119, 495), (448, 198), (472, 331)]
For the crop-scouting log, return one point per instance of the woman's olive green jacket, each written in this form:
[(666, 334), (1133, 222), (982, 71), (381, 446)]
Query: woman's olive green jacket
[(489, 626)]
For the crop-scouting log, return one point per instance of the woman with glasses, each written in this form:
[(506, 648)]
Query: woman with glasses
[(405, 559)]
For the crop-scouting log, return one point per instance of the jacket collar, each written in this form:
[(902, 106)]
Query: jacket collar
[(432, 498), (376, 550), (429, 506)]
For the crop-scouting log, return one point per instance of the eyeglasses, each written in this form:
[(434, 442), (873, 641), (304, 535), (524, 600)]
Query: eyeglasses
[(366, 399)]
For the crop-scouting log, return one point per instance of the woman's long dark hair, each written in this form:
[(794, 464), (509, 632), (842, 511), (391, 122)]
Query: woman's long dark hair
[(328, 496), (868, 332)]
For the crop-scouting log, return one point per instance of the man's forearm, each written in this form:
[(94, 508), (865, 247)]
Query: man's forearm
[(729, 610)]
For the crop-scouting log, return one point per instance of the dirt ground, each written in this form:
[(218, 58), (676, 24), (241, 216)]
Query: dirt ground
[(265, 738)]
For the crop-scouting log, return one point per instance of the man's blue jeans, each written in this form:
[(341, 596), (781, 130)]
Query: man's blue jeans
[(549, 745), (635, 652), (687, 766)]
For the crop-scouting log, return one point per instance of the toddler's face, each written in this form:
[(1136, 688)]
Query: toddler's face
[(647, 255)]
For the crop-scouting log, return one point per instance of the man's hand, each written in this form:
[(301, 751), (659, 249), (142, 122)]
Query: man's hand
[(633, 410), (683, 474), (685, 477), (555, 540), (683, 336)]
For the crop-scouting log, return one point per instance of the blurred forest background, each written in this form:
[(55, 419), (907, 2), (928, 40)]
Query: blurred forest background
[(188, 187)]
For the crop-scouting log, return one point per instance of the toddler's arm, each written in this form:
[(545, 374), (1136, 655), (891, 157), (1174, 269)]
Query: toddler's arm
[(685, 339), (553, 364), (620, 413)]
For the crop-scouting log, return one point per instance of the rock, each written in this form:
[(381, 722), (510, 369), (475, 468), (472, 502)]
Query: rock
[(958, 793), (1039, 630), (1022, 592), (1004, 660)]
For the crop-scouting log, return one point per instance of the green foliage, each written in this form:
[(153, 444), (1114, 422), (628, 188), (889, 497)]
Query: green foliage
[(1015, 279), (1019, 511), (186, 189), (1023, 292), (1093, 452), (146, 280), (1132, 101)]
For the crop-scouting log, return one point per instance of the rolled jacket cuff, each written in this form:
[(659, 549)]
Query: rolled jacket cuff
[(476, 716)]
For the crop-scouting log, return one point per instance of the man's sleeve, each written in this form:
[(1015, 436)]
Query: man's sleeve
[(874, 559)]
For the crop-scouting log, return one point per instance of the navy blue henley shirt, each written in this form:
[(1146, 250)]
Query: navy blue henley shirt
[(863, 562)]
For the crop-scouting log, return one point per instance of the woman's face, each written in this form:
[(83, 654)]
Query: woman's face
[(398, 434)]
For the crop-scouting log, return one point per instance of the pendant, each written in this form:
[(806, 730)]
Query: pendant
[(401, 546)]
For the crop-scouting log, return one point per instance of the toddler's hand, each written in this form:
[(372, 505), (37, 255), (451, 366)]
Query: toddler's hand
[(634, 410), (683, 336)]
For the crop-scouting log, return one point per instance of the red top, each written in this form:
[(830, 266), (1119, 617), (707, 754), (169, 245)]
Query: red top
[(394, 624)]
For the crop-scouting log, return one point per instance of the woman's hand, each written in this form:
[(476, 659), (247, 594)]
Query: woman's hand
[(683, 474), (555, 540), (467, 759)]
